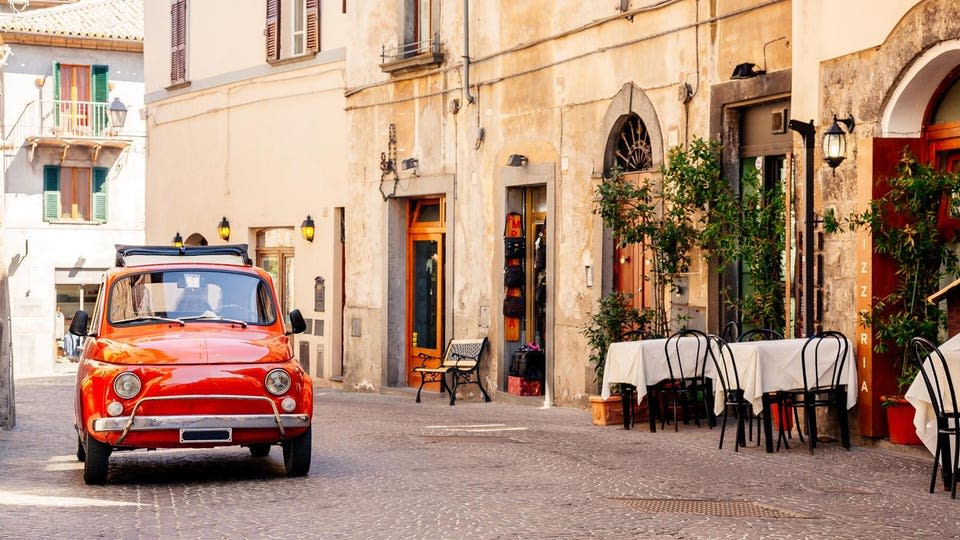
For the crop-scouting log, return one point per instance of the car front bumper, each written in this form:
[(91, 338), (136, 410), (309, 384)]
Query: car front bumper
[(222, 422)]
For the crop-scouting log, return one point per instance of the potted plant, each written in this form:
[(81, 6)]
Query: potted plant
[(615, 319), (904, 225), (899, 411)]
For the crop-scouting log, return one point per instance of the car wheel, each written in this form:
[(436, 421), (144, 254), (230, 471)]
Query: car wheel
[(97, 459), (81, 453), (259, 450), (296, 453)]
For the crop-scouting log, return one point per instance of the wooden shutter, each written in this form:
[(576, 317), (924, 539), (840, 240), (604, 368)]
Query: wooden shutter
[(178, 40), (313, 26), (100, 193), (100, 90), (273, 30), (56, 94), (51, 192)]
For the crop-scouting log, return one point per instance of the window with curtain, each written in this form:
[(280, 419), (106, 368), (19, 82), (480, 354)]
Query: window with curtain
[(293, 28), (74, 193), (80, 99)]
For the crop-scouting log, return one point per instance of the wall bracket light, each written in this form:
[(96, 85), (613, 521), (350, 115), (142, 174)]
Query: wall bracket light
[(308, 229), (834, 141), (223, 229), (411, 163), (517, 160)]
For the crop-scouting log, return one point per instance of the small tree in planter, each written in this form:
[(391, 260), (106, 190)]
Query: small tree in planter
[(904, 225), (614, 320), (694, 207)]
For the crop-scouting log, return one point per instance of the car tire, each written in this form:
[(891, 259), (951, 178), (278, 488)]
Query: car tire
[(296, 453), (96, 462), (81, 452), (259, 450)]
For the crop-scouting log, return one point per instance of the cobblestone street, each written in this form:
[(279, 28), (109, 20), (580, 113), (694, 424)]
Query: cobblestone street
[(386, 467)]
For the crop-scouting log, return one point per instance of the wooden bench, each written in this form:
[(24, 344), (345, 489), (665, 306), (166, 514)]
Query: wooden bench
[(461, 359)]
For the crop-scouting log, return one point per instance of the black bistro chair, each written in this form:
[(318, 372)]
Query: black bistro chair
[(730, 331), (687, 387), (759, 334), (939, 384), (733, 396), (832, 393)]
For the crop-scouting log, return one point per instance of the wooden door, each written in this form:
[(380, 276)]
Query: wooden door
[(425, 276), (630, 267)]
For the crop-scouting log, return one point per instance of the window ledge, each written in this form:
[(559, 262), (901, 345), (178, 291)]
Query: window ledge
[(66, 221), (177, 86), (421, 61), (293, 59)]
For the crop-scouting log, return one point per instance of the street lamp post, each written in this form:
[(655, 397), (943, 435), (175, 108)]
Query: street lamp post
[(807, 131)]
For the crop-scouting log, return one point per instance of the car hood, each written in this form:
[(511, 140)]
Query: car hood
[(192, 347)]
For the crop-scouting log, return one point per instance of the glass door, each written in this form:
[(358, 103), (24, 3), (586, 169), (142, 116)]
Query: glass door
[(424, 285)]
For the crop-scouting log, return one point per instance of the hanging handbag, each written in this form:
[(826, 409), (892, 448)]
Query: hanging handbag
[(513, 276), (514, 306), (514, 247)]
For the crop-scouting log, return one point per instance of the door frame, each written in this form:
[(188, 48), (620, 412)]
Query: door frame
[(531, 175)]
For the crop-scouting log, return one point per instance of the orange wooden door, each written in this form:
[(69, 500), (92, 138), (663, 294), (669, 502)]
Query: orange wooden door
[(630, 271), (425, 277)]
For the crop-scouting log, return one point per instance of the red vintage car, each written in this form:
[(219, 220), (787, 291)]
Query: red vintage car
[(186, 348)]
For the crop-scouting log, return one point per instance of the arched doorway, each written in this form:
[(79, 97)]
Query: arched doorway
[(941, 125), (632, 155)]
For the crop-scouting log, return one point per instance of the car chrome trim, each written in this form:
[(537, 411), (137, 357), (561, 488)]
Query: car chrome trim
[(133, 413), (196, 421)]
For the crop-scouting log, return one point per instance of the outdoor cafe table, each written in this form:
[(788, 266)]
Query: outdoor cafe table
[(643, 364), (773, 365), (925, 419)]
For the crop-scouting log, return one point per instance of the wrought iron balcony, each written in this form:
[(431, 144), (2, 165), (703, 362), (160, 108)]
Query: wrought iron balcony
[(412, 56)]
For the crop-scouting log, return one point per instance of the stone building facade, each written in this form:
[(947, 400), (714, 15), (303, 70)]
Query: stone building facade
[(508, 110)]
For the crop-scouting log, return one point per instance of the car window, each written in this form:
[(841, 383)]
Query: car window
[(178, 294)]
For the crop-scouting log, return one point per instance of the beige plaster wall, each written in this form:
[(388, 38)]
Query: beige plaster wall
[(262, 145)]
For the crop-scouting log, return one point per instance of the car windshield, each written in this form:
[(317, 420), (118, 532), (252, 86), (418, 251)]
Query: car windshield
[(190, 295)]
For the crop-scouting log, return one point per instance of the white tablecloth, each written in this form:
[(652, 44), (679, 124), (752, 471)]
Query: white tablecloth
[(924, 420), (769, 366), (644, 363)]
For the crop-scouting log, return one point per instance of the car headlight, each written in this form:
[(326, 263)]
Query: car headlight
[(277, 381), (126, 385)]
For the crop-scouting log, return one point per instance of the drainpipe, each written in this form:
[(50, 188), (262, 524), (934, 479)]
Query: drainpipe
[(466, 52)]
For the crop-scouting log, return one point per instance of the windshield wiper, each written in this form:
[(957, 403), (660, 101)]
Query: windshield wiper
[(213, 317), (143, 318)]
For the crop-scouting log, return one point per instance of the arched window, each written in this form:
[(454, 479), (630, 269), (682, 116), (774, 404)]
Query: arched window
[(633, 151)]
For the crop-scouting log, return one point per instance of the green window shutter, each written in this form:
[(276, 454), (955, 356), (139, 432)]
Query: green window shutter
[(51, 192), (101, 90), (56, 93), (100, 194)]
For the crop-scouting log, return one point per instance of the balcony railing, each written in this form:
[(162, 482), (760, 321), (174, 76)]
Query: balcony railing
[(61, 118), (413, 55), (63, 124)]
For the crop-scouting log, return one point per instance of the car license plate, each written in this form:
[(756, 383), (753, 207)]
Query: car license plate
[(206, 435)]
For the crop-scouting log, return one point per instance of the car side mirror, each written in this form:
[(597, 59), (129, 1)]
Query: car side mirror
[(78, 326), (297, 324)]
